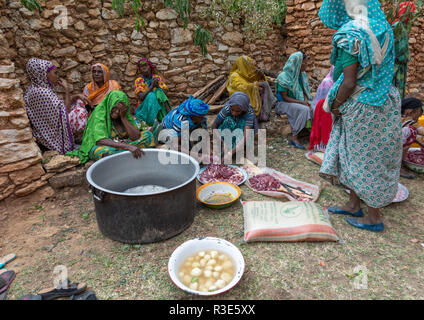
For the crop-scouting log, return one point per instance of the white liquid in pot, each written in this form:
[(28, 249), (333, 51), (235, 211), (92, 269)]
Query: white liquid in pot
[(145, 189)]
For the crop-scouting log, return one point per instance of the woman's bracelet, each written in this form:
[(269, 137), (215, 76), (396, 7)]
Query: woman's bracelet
[(337, 100)]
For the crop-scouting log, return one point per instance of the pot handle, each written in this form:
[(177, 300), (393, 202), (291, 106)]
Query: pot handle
[(99, 196)]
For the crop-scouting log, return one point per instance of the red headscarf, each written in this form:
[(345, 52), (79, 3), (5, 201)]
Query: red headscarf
[(403, 9)]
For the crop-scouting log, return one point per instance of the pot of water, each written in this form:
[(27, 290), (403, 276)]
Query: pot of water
[(144, 200)]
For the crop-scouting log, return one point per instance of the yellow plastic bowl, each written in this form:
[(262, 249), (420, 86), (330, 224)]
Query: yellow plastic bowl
[(205, 191)]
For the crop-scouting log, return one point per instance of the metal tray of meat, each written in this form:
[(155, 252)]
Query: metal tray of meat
[(245, 175)]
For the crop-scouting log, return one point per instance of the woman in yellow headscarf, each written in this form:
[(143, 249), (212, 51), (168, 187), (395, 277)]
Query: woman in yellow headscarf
[(245, 77)]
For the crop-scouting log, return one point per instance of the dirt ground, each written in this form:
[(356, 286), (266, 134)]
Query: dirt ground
[(63, 231)]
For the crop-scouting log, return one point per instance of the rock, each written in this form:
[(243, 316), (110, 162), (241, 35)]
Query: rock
[(65, 52), (14, 152), (61, 163), (19, 165), (80, 26), (20, 122), (12, 135), (30, 188), (68, 179), (166, 14), (94, 13), (85, 57), (98, 48), (179, 36), (135, 35), (233, 39), (131, 69), (75, 76), (69, 64), (6, 84), (7, 192), (7, 69), (180, 62), (27, 175), (4, 182)]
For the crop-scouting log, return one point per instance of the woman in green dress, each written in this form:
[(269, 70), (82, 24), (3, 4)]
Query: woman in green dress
[(365, 147), (112, 129)]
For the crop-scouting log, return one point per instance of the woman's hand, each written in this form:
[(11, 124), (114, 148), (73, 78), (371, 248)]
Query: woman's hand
[(335, 110), (62, 82), (155, 82), (123, 108), (136, 151)]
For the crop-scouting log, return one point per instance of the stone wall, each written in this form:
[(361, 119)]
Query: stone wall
[(306, 31), (96, 34)]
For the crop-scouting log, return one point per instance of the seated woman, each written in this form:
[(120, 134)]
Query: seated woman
[(191, 115), (237, 113), (323, 121), (411, 112), (294, 95), (245, 77), (112, 129), (47, 112), (95, 92), (151, 94)]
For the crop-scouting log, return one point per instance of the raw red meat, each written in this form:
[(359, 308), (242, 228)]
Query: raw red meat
[(221, 172), (416, 156), (264, 182)]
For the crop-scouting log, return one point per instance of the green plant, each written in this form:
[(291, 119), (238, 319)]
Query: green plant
[(182, 7), (202, 38), (32, 5)]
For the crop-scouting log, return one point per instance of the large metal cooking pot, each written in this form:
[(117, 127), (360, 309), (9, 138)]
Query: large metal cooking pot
[(144, 218)]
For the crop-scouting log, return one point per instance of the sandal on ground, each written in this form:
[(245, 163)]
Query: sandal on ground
[(338, 210), (379, 227), (87, 295), (296, 145), (54, 293), (407, 175), (6, 259), (6, 279)]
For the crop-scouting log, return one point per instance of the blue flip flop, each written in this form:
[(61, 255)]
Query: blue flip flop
[(337, 210), (6, 259), (379, 227), (294, 144)]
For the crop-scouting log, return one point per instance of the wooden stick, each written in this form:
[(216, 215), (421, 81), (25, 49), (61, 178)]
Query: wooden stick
[(215, 108), (201, 91), (218, 93)]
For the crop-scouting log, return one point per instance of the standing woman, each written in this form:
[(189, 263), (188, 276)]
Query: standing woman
[(365, 147), (401, 26), (151, 94), (294, 95), (47, 112)]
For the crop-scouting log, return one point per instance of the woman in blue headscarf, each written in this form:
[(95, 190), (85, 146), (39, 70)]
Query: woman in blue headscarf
[(191, 115), (365, 149), (294, 95), (235, 118)]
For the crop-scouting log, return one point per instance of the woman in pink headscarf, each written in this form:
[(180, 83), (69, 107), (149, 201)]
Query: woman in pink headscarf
[(47, 112), (321, 126)]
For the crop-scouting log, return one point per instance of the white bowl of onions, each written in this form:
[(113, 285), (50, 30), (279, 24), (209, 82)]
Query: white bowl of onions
[(206, 266)]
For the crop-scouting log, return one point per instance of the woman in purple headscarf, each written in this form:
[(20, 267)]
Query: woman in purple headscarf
[(236, 117), (47, 112)]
